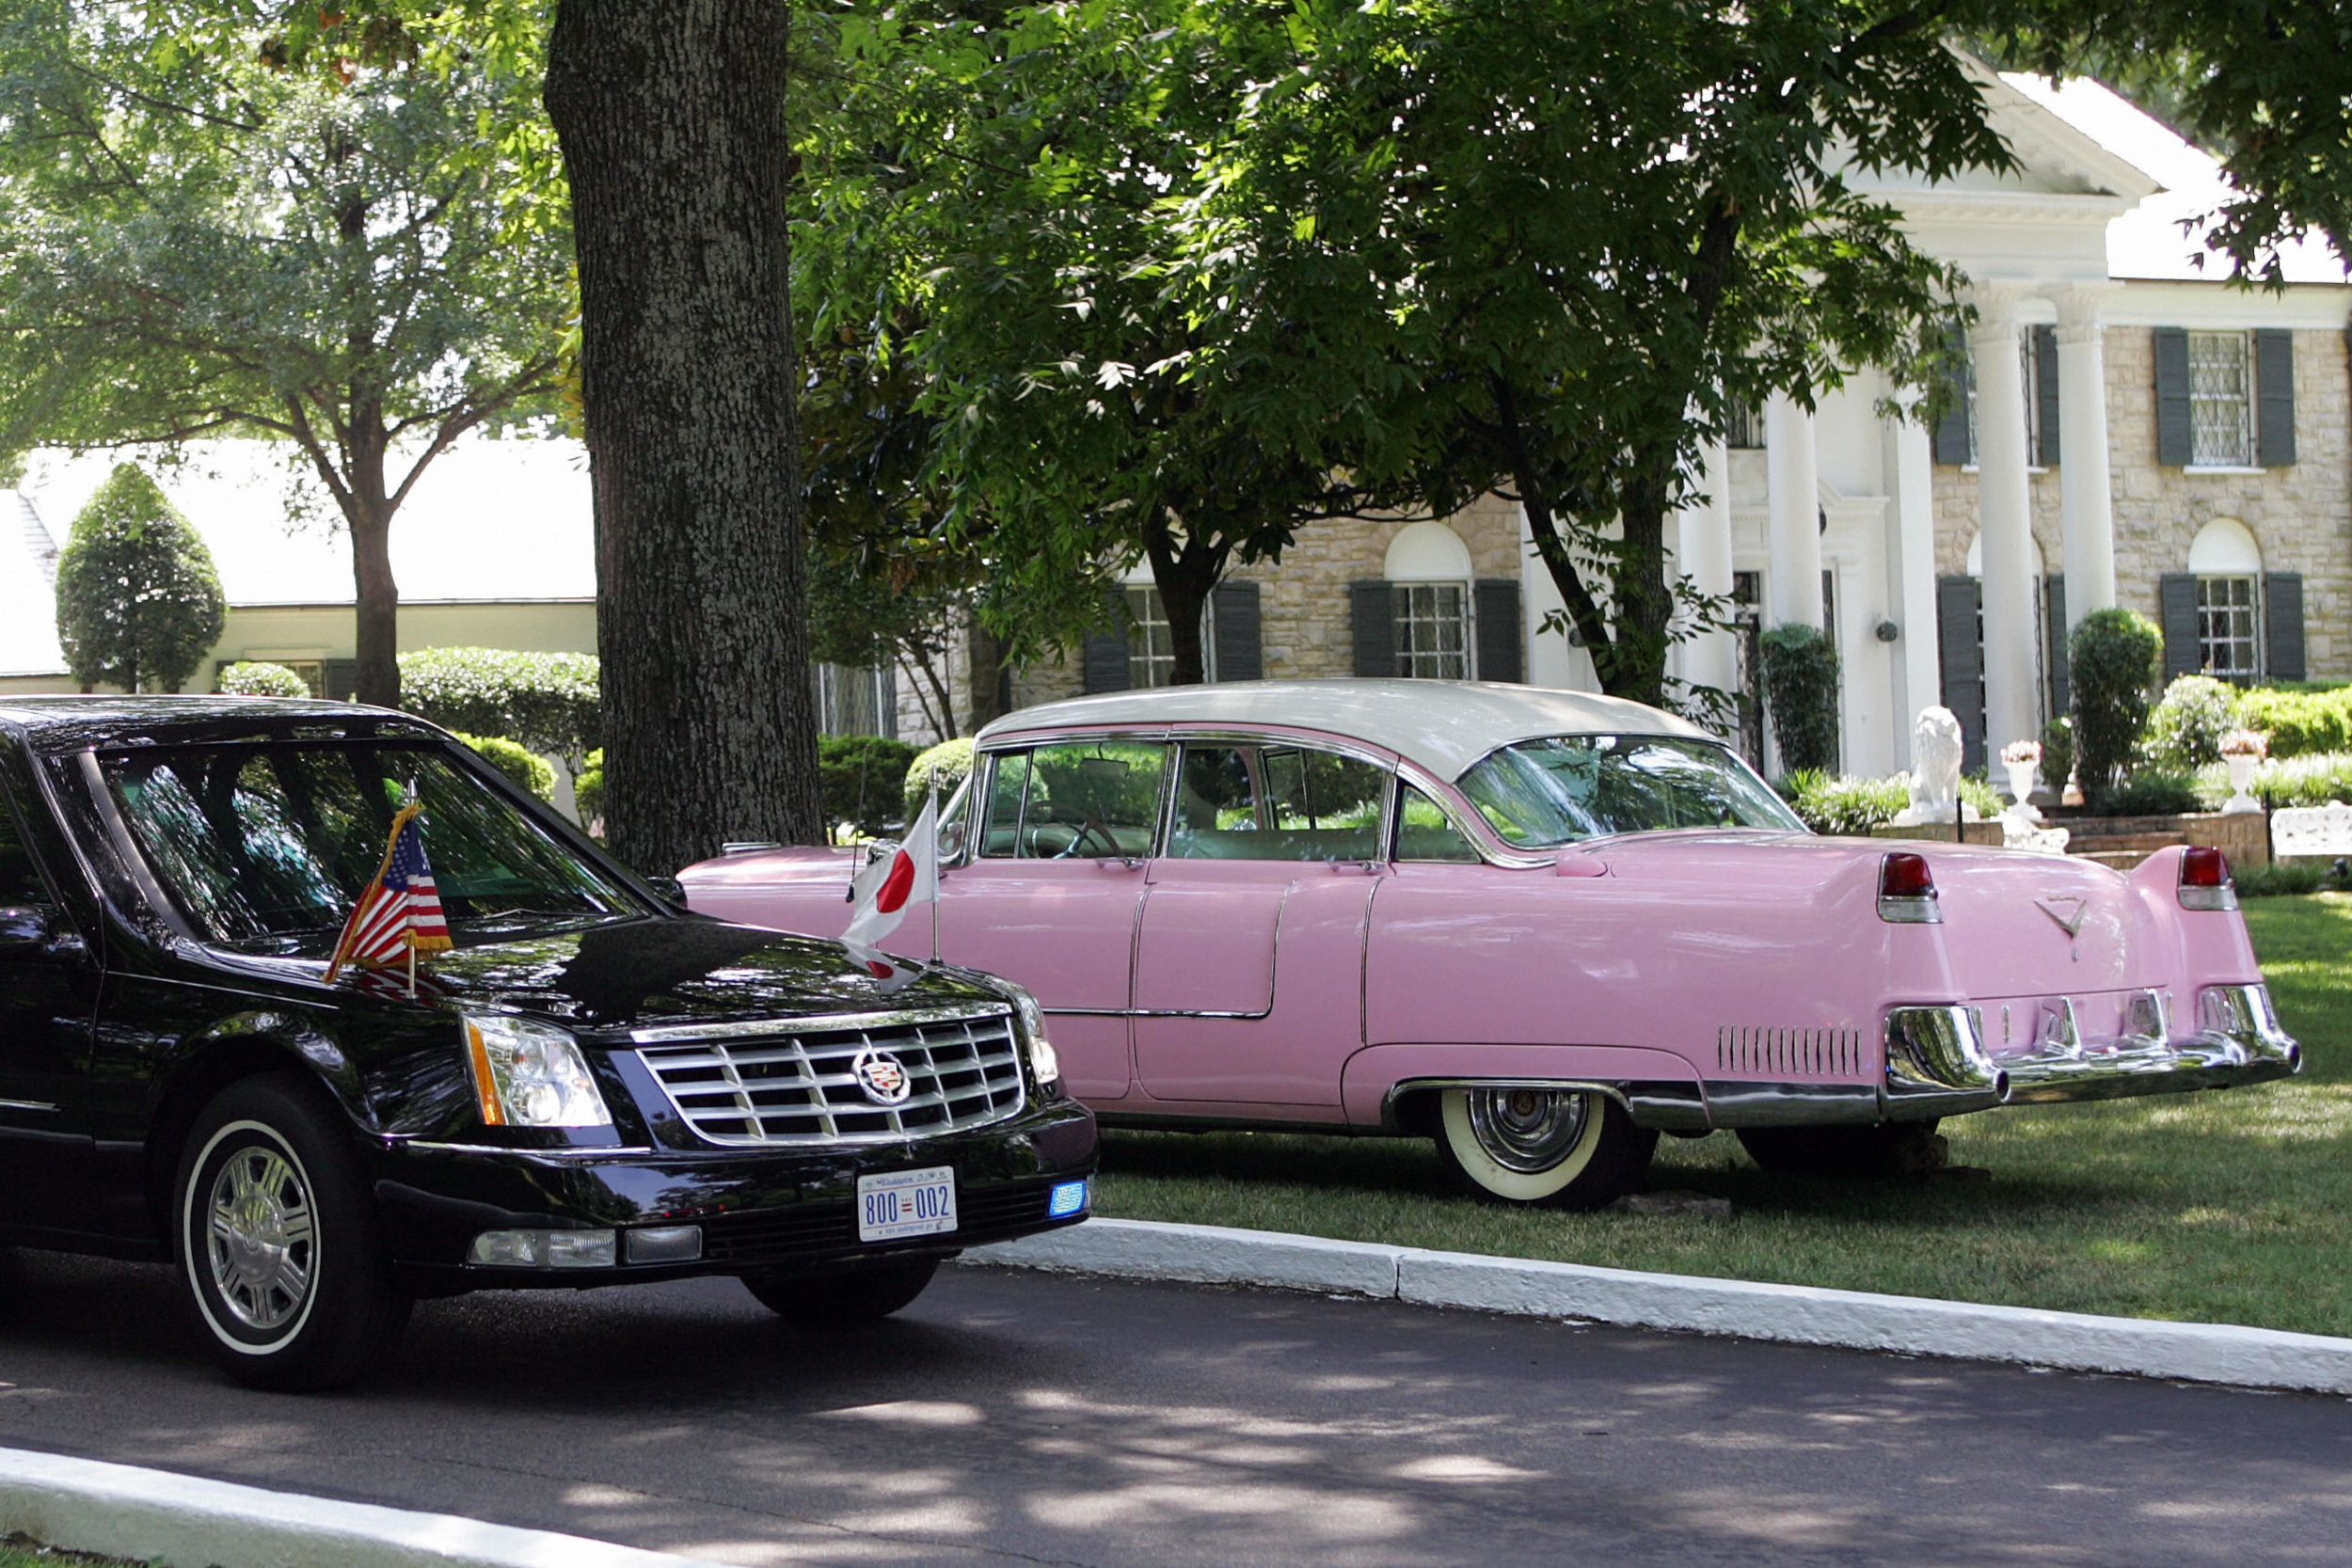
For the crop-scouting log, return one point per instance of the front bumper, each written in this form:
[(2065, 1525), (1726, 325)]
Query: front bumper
[(755, 1211)]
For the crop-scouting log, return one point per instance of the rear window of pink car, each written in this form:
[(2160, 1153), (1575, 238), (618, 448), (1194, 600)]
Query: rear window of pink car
[(1563, 788)]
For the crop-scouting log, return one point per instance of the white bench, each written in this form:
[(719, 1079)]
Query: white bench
[(2311, 830)]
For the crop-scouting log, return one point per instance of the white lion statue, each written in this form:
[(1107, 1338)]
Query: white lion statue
[(1934, 778)]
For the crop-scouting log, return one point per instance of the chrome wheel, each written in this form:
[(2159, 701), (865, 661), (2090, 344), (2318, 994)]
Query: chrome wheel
[(1568, 1147), (261, 1238), (1528, 1130)]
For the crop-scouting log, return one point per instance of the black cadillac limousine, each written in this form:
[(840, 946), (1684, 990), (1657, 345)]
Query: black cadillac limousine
[(592, 1087)]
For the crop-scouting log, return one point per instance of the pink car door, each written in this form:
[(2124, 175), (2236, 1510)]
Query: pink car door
[(1249, 959), (1050, 892)]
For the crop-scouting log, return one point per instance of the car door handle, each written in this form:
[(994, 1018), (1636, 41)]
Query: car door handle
[(1122, 862)]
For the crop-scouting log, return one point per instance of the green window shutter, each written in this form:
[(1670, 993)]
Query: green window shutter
[(1240, 643), (2174, 444), (2176, 613), (1372, 614), (2274, 398), (2053, 619), (2282, 626), (1105, 653), (1499, 643), (2045, 372), (1957, 600)]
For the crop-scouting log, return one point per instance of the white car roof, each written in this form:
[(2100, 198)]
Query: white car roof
[(1443, 726)]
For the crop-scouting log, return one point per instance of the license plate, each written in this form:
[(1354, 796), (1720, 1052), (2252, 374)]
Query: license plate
[(906, 1203)]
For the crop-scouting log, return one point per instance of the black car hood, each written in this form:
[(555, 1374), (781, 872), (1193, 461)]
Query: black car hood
[(639, 972)]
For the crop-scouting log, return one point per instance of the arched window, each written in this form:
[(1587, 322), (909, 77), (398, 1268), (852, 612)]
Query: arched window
[(1428, 569), (2228, 564)]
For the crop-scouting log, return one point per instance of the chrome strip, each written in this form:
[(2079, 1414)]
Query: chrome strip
[(1666, 1105), (668, 1032), (26, 1105), (565, 1151)]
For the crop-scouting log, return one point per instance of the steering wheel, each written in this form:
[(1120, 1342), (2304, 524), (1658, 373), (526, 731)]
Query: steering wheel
[(1094, 830)]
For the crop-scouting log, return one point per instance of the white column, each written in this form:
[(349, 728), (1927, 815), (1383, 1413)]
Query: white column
[(1793, 533), (1710, 659), (2011, 665), (1912, 451), (2084, 493)]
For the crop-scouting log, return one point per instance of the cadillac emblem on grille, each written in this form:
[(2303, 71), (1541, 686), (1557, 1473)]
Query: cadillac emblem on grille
[(881, 1076)]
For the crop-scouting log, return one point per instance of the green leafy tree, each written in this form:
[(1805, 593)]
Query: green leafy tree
[(1800, 689), (2112, 663), (326, 236), (1541, 249), (138, 603), (997, 206)]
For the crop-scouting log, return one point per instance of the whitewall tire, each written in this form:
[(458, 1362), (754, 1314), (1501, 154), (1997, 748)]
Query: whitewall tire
[(1566, 1148)]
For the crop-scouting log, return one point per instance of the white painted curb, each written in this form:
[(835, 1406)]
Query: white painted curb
[(85, 1505), (1797, 1314)]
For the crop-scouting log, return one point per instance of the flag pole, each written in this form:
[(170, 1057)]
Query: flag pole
[(933, 808), (412, 967)]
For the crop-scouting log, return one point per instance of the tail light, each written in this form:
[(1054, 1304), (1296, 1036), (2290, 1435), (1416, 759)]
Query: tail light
[(1907, 890), (2205, 880)]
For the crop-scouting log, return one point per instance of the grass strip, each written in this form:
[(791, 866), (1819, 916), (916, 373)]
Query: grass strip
[(21, 1551), (2222, 1207)]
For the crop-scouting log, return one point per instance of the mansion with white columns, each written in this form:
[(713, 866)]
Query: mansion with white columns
[(2132, 431)]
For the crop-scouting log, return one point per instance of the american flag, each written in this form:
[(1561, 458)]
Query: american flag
[(400, 913)]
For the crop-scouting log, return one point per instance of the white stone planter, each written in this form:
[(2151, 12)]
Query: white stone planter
[(2021, 780), (2241, 780)]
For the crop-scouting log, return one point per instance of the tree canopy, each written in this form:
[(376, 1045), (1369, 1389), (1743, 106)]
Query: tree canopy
[(138, 602), (326, 236)]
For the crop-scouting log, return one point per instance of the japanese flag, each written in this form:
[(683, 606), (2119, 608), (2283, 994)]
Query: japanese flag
[(885, 889)]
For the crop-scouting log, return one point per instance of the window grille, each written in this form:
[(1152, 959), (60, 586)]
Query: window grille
[(2229, 640), (2220, 400), (2030, 367), (1743, 430), (1433, 632), (855, 700), (1152, 648)]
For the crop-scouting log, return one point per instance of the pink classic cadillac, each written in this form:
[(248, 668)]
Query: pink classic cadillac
[(1540, 926)]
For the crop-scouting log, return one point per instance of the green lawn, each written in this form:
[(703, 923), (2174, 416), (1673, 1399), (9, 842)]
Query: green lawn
[(16, 1552), (2231, 1207)]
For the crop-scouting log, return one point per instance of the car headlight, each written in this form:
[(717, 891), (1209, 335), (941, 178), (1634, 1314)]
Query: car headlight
[(1042, 1061), (528, 1075)]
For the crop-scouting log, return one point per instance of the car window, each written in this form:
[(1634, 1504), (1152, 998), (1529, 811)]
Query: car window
[(1542, 793), (1424, 833), (1094, 799), (19, 882), (269, 845), (1278, 804)]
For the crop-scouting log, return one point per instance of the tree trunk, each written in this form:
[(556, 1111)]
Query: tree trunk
[(670, 114), (1185, 575), (368, 512), (1643, 601)]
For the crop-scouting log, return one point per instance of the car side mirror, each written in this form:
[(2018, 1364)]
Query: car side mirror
[(35, 932), (669, 887)]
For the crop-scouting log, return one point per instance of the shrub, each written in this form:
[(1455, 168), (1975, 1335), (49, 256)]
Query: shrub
[(547, 701), (588, 791), (2300, 722), (2306, 780), (948, 762), (2185, 729), (529, 771), (250, 678), (2282, 878), (863, 779), (138, 603), (2057, 753), (1844, 804), (1801, 691), (2149, 792), (2112, 665), (1979, 793)]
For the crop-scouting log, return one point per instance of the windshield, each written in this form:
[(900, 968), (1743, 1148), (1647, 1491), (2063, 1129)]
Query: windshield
[(265, 847), (1541, 793)]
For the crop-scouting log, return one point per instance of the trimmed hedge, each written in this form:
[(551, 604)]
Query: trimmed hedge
[(529, 770), (2300, 722), (255, 678), (2112, 664), (863, 779), (550, 703), (588, 790), (1801, 693), (950, 762)]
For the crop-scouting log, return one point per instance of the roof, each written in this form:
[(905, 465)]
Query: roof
[(1443, 726), (491, 519), (2148, 242), (69, 724)]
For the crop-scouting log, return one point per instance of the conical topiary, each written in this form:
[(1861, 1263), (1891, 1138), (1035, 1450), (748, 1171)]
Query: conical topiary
[(138, 602)]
